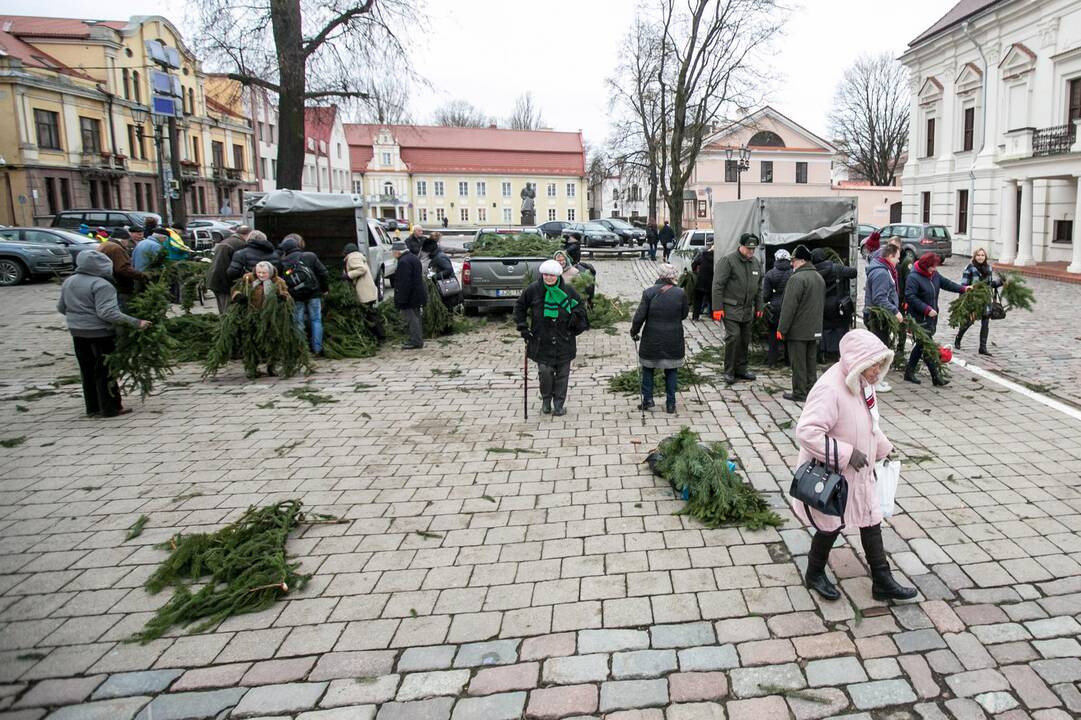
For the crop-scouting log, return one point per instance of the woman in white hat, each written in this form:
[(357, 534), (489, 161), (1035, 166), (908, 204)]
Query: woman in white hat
[(550, 315)]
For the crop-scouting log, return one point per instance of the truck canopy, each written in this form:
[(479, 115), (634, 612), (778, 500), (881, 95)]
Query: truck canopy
[(293, 201), (327, 221), (787, 222)]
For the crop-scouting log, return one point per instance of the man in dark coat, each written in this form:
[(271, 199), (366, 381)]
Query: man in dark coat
[(256, 250), (661, 311), (921, 293), (411, 293), (881, 291), (308, 281), (549, 316), (118, 249), (218, 279), (772, 293), (800, 322), (737, 300), (667, 238), (651, 239), (702, 266), (837, 311)]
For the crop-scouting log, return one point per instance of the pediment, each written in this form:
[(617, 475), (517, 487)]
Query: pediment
[(1017, 61), (384, 138), (930, 91), (970, 79)]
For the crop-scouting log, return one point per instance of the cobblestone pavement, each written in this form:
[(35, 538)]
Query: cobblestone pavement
[(496, 568)]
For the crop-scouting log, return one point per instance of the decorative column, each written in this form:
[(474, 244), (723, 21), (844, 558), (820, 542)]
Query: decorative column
[(1007, 222), (1024, 249), (1075, 264)]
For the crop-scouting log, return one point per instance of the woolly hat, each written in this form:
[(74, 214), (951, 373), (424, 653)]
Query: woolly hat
[(120, 234), (748, 240), (666, 271), (551, 267), (781, 255), (928, 261), (803, 253)]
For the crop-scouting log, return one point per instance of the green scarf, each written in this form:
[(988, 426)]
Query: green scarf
[(555, 299)]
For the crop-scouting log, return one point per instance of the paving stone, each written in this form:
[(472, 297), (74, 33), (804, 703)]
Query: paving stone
[(353, 664), (576, 669), (766, 652), (360, 691), (996, 702), (965, 709), (495, 652), (1000, 632), (1058, 648), (283, 698), (112, 709), (825, 645), (562, 702), (969, 650), (505, 678), (186, 705), (918, 641), (609, 641), (944, 662), (682, 635), (1033, 692), (505, 706), (920, 674), (1071, 696), (881, 693), (622, 694), (433, 657), (147, 682), (65, 691), (695, 711), (276, 672), (792, 624), (942, 615), (834, 672), (353, 712), (757, 708), (418, 686), (739, 630), (974, 682), (753, 682), (718, 657), (546, 646), (643, 714), (642, 664), (1054, 627), (694, 687), (1059, 670), (434, 709), (826, 702), (215, 676)]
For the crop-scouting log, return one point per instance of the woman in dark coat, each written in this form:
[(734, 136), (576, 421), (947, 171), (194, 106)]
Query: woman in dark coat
[(836, 313), (773, 285), (921, 293), (702, 266), (979, 270), (660, 318)]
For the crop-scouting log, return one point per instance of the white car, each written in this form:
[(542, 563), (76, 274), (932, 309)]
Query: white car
[(690, 243)]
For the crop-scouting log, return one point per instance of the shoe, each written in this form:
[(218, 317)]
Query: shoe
[(884, 587), (957, 341), (883, 386), (820, 583), (729, 379), (122, 411), (815, 578), (794, 398), (670, 408), (911, 377), (985, 351), (271, 371), (559, 410), (546, 407), (746, 376), (646, 405), (694, 317), (410, 346)]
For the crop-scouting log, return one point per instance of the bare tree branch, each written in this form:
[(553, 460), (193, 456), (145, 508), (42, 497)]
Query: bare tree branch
[(459, 113), (316, 42), (526, 115)]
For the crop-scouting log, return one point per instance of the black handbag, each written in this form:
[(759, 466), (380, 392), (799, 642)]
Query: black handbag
[(449, 287), (997, 311), (820, 488)]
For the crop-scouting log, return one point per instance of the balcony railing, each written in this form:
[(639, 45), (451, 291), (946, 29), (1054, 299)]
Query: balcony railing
[(226, 175), (103, 164), (1053, 140)]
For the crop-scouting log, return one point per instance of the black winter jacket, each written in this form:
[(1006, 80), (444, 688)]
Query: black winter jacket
[(666, 235), (441, 266), (773, 286), (702, 265), (246, 258), (660, 318), (836, 276), (219, 281), (551, 340), (921, 294), (292, 256), (410, 290)]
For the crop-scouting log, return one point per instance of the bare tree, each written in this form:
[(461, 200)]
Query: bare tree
[(387, 101), (870, 117), (302, 51), (596, 173), (460, 113), (526, 115)]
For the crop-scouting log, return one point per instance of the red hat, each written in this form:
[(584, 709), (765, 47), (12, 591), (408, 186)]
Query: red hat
[(928, 261)]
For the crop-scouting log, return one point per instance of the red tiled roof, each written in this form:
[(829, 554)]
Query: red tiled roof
[(222, 108), (33, 26), (445, 149), (318, 122), (33, 57), (961, 11)]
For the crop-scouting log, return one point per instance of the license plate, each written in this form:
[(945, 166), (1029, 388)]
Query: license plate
[(508, 293)]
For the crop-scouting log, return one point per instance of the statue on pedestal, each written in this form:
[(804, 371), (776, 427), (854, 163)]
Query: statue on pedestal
[(528, 194)]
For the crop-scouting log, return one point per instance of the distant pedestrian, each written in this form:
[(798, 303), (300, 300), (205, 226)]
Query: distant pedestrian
[(773, 286), (226, 209), (800, 322), (881, 291), (88, 302), (308, 281), (652, 239), (142, 257), (126, 277), (737, 301), (445, 222), (410, 292), (897, 243), (659, 318), (979, 270), (219, 282), (550, 315), (921, 293), (439, 265), (702, 267), (839, 307), (667, 238), (256, 250)]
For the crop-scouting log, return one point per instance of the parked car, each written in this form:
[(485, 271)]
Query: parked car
[(628, 234), (553, 228), (863, 230), (218, 230), (392, 224), (73, 241), (21, 260), (919, 238), (689, 244), (592, 234), (108, 219)]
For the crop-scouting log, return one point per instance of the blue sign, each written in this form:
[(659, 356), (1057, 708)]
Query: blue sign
[(160, 105)]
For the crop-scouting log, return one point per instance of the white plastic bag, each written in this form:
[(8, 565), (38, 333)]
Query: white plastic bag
[(887, 475)]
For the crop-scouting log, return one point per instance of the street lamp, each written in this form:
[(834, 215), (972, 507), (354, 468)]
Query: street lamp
[(742, 156), (140, 115)]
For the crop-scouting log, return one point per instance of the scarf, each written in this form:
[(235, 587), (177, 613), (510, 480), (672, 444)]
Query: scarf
[(984, 269), (555, 299)]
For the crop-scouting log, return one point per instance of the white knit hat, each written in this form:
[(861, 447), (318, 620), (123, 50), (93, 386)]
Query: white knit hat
[(551, 267)]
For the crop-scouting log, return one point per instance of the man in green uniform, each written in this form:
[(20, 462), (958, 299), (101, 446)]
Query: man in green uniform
[(737, 300), (800, 325)]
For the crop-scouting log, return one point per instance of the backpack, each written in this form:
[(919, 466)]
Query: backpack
[(300, 279)]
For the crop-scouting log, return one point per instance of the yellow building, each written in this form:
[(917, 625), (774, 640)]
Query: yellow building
[(75, 89)]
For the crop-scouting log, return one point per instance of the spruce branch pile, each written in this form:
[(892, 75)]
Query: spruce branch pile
[(193, 335), (144, 357), (519, 245), (437, 319), (970, 306), (241, 568), (348, 327), (1016, 293), (716, 495), (266, 334)]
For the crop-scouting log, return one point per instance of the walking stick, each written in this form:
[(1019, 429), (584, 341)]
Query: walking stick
[(525, 384), (638, 362)]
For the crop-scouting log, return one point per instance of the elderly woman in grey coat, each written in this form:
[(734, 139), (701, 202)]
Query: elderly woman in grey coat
[(659, 319)]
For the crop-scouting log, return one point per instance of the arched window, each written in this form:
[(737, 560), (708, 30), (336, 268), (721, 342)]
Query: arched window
[(388, 188), (191, 100), (127, 83), (136, 90), (766, 138)]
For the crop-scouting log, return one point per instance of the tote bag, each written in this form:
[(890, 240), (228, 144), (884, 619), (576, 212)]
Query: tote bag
[(887, 475)]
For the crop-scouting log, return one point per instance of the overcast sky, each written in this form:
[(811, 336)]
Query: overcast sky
[(490, 51)]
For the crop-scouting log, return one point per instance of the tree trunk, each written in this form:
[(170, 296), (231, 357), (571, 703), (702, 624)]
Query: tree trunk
[(286, 20), (652, 214), (675, 209)]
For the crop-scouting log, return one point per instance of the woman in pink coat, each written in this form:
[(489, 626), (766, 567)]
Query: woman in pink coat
[(843, 406)]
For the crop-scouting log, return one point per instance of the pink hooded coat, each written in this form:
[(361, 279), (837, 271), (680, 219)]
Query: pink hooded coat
[(836, 407)]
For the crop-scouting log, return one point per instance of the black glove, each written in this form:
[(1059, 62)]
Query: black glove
[(858, 461), (240, 300), (526, 335), (636, 337)]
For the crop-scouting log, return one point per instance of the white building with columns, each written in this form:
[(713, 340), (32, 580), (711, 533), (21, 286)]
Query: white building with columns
[(994, 145)]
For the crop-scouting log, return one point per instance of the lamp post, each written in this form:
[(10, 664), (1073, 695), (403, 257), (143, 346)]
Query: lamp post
[(742, 157), (140, 115)]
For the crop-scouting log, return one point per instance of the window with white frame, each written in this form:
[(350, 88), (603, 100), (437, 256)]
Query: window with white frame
[(439, 214), (482, 215), (571, 189), (463, 189), (386, 158), (358, 187), (482, 188), (422, 188), (570, 214), (506, 189), (463, 213), (438, 188), (551, 190), (507, 215), (551, 214), (422, 215), (388, 188)]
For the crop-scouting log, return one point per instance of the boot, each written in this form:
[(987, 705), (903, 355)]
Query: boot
[(883, 586), (546, 407), (559, 410), (960, 334), (984, 331), (816, 578), (910, 375), (936, 376)]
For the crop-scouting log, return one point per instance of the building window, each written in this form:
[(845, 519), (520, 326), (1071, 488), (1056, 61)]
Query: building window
[(48, 129), (767, 171), (551, 190), (388, 189), (422, 215), (191, 105), (422, 188), (195, 149), (138, 187), (136, 90), (925, 207), (482, 215), (1073, 100), (126, 74), (439, 215), (238, 157), (202, 200), (136, 147), (506, 189), (90, 128), (703, 211), (358, 187), (263, 166), (731, 173), (930, 137), (274, 167), (962, 212), (386, 159), (801, 173), (270, 128), (570, 214), (482, 188), (1063, 232), (463, 189), (970, 128), (551, 214), (463, 213), (571, 189), (339, 151), (507, 215), (51, 206), (217, 154)]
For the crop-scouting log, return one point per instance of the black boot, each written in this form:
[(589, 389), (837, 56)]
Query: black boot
[(910, 375), (936, 375), (913, 363), (559, 409), (816, 578), (984, 331), (883, 586), (546, 408), (960, 334)]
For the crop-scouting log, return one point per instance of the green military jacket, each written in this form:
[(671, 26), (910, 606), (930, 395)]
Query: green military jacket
[(737, 286), (803, 305)]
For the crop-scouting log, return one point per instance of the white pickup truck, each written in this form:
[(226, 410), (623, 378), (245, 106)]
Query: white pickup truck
[(496, 282)]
